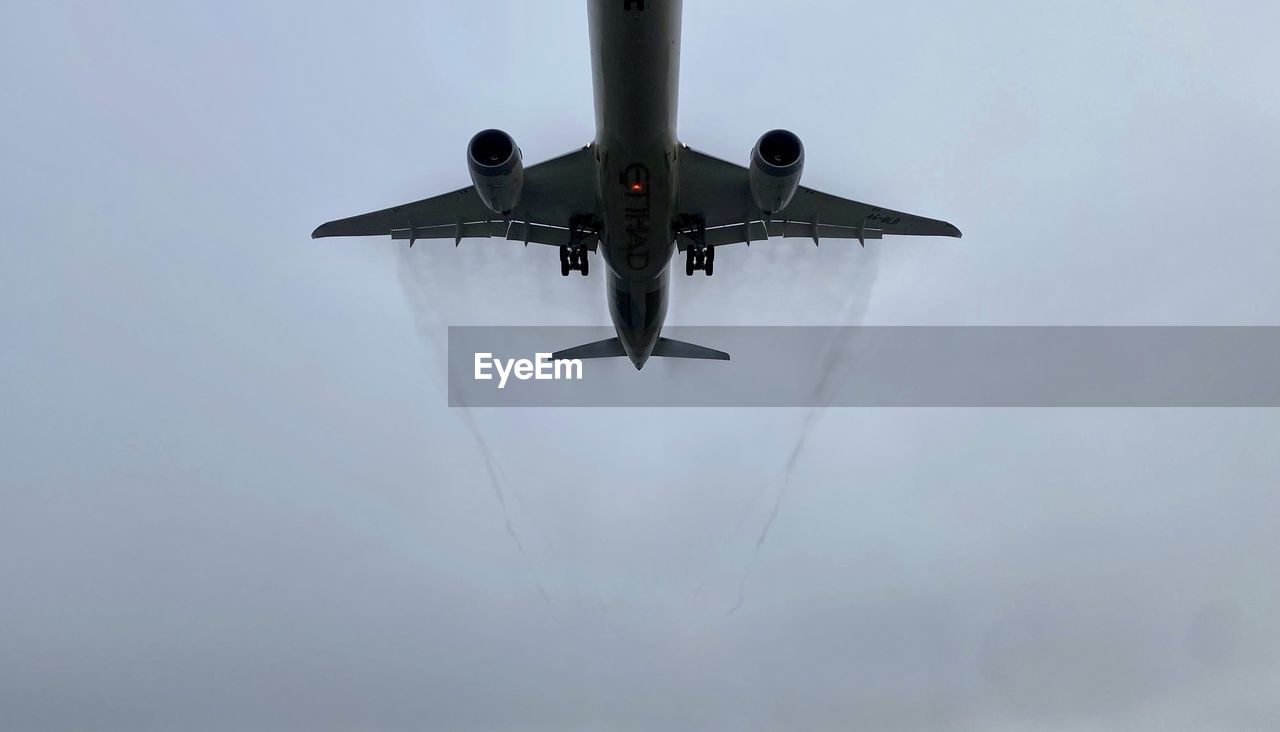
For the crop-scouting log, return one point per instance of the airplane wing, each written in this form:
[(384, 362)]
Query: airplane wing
[(553, 193), (718, 192)]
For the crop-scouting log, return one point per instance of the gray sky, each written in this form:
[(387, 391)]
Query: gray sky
[(232, 497)]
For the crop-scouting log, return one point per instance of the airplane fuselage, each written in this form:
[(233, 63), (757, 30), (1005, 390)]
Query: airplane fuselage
[(635, 63)]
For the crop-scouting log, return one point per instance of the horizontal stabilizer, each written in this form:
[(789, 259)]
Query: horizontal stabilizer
[(607, 348), (665, 348), (669, 348)]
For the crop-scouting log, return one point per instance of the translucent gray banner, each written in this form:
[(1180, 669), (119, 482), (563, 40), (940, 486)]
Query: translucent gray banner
[(879, 367)]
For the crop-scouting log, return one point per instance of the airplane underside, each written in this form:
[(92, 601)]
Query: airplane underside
[(635, 195)]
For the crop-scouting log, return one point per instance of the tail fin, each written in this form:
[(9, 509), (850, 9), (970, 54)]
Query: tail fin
[(669, 348)]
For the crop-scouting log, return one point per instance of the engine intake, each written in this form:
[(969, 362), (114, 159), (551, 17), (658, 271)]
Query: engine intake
[(497, 170), (776, 164)]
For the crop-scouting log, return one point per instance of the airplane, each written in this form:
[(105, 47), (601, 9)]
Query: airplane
[(636, 195)]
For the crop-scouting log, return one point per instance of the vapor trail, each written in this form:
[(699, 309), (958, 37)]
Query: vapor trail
[(494, 469), (417, 292), (853, 313)]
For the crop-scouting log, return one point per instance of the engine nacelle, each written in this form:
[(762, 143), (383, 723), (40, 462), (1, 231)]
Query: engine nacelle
[(496, 170), (776, 164)]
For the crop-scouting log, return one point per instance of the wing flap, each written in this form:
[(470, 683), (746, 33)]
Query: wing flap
[(474, 230), (783, 229), (528, 233)]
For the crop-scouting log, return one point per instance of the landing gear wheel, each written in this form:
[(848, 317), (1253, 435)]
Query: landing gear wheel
[(696, 260), (573, 260)]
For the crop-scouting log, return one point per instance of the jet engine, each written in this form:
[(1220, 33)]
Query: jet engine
[(776, 164), (496, 170)]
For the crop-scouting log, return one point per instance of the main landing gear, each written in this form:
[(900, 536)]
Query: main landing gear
[(700, 259), (698, 256), (573, 256), (573, 260)]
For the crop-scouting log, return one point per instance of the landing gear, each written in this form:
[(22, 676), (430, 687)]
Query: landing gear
[(573, 256), (698, 256), (573, 260), (700, 259)]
